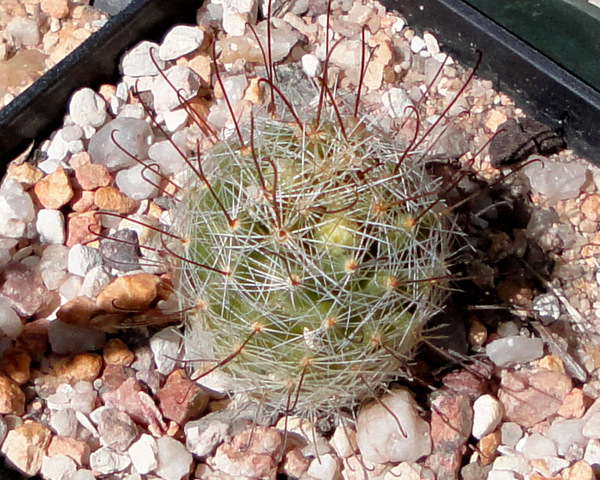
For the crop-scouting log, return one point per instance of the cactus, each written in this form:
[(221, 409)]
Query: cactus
[(314, 254)]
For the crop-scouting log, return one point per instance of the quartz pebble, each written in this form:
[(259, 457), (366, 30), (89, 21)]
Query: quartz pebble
[(204, 435), (138, 63), (138, 182), (143, 454), (59, 467), (50, 225), (10, 323), (183, 83), (514, 350), (17, 209), (166, 346), (132, 135), (116, 429), (82, 259), (557, 180), (107, 461), (396, 101), (87, 108), (180, 40), (377, 430), (174, 461), (24, 287), (487, 413)]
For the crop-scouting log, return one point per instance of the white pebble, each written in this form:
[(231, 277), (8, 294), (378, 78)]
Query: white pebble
[(131, 134), (137, 182), (548, 307), (143, 454), (138, 63), (311, 65), (87, 108), (514, 350), (556, 180), (50, 225), (324, 467), (516, 463), (203, 436), (511, 433), (64, 422), (175, 119), (58, 148), (487, 413), (165, 346), (107, 461), (59, 467), (431, 43), (417, 44), (537, 446), (82, 259), (397, 102), (83, 474), (398, 25), (566, 434), (17, 209), (11, 324), (379, 435), (94, 281), (183, 83), (503, 475), (592, 452), (174, 461), (180, 40)]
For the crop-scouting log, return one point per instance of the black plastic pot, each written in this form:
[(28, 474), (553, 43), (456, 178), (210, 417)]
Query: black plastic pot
[(540, 86), (35, 113)]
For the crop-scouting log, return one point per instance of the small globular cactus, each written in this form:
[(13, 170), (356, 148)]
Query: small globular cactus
[(314, 254)]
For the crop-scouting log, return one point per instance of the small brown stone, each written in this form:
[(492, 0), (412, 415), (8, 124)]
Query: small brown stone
[(82, 201), (181, 399), (81, 226), (26, 174), (84, 366), (54, 190), (133, 292), (55, 8), (12, 398), (488, 447), (590, 207), (25, 446), (76, 449), (78, 311), (15, 363), (113, 200), (116, 352), (579, 471), (92, 176), (79, 159), (530, 396), (574, 404)]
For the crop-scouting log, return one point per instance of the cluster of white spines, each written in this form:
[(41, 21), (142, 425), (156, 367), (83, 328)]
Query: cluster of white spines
[(315, 256)]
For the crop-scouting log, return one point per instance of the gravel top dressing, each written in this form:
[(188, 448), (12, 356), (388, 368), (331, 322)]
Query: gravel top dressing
[(312, 247)]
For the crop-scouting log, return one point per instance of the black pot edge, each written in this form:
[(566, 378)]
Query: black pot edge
[(539, 86), (40, 109)]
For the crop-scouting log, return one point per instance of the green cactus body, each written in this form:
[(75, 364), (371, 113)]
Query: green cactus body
[(314, 259)]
